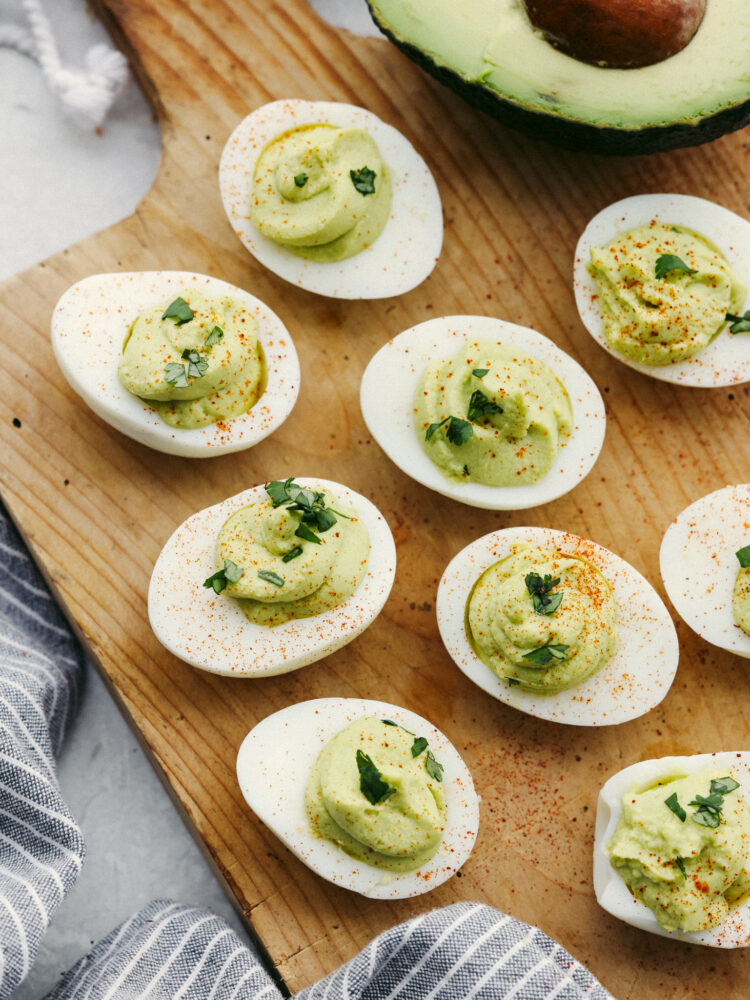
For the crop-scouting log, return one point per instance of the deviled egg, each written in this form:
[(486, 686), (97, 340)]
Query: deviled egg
[(118, 335), (661, 284), (326, 778), (700, 565), (672, 847), (463, 393), (332, 199), (612, 622), (272, 579)]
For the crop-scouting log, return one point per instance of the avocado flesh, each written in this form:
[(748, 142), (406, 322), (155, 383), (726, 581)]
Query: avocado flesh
[(489, 53)]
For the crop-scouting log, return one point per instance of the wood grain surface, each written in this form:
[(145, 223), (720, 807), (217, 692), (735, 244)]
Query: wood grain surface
[(96, 507)]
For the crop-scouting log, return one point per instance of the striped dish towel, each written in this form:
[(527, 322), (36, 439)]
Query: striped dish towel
[(169, 951)]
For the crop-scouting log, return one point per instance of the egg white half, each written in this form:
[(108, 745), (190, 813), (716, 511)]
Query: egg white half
[(274, 764), (726, 360), (387, 400), (403, 254), (209, 631), (611, 891), (698, 564), (634, 680), (89, 326)]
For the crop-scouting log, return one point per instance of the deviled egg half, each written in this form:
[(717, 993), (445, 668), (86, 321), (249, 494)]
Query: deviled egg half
[(332, 199), (661, 284), (182, 362), (272, 579), (483, 411), (672, 847), (557, 627), (370, 796), (704, 567)]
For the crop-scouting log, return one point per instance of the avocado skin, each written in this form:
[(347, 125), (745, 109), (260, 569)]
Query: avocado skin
[(566, 132)]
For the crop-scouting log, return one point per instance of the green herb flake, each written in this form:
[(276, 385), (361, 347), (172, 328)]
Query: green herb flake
[(673, 804), (387, 722), (179, 311), (371, 782), (434, 768), (466, 470), (669, 262), (307, 533), (545, 603), (743, 555), (479, 372), (176, 375), (230, 573), (419, 744), (300, 180), (512, 681), (723, 786), (739, 324), (197, 365), (481, 406), (456, 430), (545, 654), (681, 865), (270, 577), (708, 809), (214, 337), (312, 505), (363, 180), (292, 554)]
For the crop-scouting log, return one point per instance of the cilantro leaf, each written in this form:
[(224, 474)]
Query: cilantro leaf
[(419, 744), (479, 372), (434, 768), (279, 491), (480, 406), (512, 681), (179, 311), (743, 555), (545, 654), (371, 782), (292, 554), (669, 262), (214, 337), (539, 589), (739, 324), (707, 817), (456, 430), (681, 865), (271, 577), (176, 375), (723, 786), (300, 180), (387, 722), (673, 804), (230, 573), (311, 503), (307, 533), (363, 180), (197, 366)]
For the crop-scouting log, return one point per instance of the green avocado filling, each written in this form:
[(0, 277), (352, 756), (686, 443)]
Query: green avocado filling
[(294, 555), (376, 790), (664, 292), (741, 591), (194, 360), (542, 620), (492, 415), (682, 846), (322, 192)]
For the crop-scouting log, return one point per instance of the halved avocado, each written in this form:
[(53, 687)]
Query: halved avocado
[(488, 52)]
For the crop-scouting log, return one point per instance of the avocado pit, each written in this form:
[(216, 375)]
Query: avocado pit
[(620, 34)]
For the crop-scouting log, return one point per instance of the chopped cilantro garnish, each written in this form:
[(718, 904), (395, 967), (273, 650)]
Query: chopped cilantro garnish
[(214, 337), (480, 406), (292, 554), (300, 180), (371, 782), (669, 262), (739, 324), (363, 180), (681, 865), (312, 505), (743, 555), (197, 366), (479, 372), (419, 744), (512, 681), (271, 577), (434, 768), (230, 573), (539, 588), (179, 311), (176, 375), (723, 786), (545, 654), (456, 430), (673, 804)]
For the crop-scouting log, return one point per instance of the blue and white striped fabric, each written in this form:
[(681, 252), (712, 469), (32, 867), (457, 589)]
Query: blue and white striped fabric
[(169, 951), (41, 848)]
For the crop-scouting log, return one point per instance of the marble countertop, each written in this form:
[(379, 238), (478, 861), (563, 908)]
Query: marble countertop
[(138, 848)]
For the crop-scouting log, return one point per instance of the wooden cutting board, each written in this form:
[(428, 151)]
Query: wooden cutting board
[(97, 507)]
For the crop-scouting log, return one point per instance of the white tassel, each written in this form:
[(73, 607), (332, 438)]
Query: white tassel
[(86, 95)]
